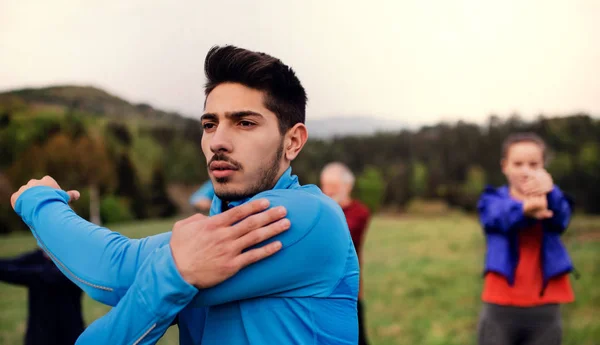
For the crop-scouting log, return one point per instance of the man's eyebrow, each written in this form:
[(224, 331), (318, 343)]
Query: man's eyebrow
[(231, 115), (208, 116), (242, 113)]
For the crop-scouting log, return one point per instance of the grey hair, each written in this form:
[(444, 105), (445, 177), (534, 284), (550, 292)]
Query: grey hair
[(345, 173)]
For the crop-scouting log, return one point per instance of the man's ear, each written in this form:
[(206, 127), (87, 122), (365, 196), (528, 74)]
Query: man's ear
[(294, 141)]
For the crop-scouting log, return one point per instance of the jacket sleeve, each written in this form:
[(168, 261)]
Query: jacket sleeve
[(101, 262), (206, 191), (562, 207), (310, 262), (148, 308), (499, 213)]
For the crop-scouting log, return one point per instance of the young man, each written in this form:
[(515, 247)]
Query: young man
[(54, 302), (337, 182), (526, 264), (304, 294), (202, 198)]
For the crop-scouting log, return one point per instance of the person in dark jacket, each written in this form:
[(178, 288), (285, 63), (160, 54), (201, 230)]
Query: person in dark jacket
[(54, 315), (526, 264)]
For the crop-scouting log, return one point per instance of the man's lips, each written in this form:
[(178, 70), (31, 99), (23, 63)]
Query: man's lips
[(221, 169), (221, 165)]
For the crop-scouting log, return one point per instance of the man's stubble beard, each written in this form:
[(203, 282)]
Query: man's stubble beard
[(266, 181)]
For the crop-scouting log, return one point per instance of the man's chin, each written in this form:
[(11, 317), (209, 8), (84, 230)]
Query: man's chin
[(229, 191), (231, 195), (221, 180)]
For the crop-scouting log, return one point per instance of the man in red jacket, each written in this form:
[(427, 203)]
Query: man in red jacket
[(337, 182)]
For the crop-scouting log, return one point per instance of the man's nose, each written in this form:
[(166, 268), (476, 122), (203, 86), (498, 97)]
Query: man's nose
[(221, 141)]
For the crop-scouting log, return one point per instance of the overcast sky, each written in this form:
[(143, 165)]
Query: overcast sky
[(414, 61)]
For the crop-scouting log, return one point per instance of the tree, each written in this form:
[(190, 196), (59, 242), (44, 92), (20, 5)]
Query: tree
[(79, 164), (5, 118), (184, 163), (419, 179), (472, 188), (145, 153), (94, 169), (161, 205), (129, 186), (370, 188)]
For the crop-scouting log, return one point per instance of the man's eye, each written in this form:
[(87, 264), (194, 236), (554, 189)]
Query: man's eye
[(208, 125), (246, 124)]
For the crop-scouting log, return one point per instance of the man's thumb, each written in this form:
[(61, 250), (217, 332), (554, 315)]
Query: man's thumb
[(73, 195)]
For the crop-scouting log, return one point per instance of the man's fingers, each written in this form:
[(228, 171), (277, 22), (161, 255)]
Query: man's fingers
[(74, 195), (238, 213), (49, 181), (257, 221), (195, 218), (259, 235), (257, 254), (15, 196)]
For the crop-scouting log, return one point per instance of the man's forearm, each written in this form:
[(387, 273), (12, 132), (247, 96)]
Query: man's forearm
[(101, 262)]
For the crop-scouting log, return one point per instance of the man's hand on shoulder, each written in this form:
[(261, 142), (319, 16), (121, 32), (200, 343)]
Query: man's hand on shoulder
[(208, 250), (45, 181)]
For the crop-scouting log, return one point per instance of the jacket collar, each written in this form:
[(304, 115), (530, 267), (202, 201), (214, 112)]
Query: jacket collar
[(286, 181)]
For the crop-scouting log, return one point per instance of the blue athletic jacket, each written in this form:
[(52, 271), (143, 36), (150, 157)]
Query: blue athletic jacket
[(502, 218), (206, 191), (304, 294)]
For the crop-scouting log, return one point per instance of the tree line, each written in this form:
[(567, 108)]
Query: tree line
[(454, 162), (126, 166)]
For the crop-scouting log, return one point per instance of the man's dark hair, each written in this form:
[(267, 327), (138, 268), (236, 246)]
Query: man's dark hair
[(284, 95), (522, 137)]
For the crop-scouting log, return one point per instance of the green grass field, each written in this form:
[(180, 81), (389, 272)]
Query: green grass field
[(422, 281)]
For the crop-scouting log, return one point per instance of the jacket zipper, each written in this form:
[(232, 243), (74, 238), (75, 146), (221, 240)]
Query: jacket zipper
[(145, 334)]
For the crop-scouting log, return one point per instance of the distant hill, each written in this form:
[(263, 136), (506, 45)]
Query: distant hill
[(87, 99), (350, 125), (95, 101)]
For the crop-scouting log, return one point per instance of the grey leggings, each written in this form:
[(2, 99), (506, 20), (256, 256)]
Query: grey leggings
[(505, 325)]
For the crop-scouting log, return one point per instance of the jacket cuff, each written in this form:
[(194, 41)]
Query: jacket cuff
[(32, 199)]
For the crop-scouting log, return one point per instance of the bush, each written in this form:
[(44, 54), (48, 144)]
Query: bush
[(114, 210), (5, 118), (160, 204), (370, 188)]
